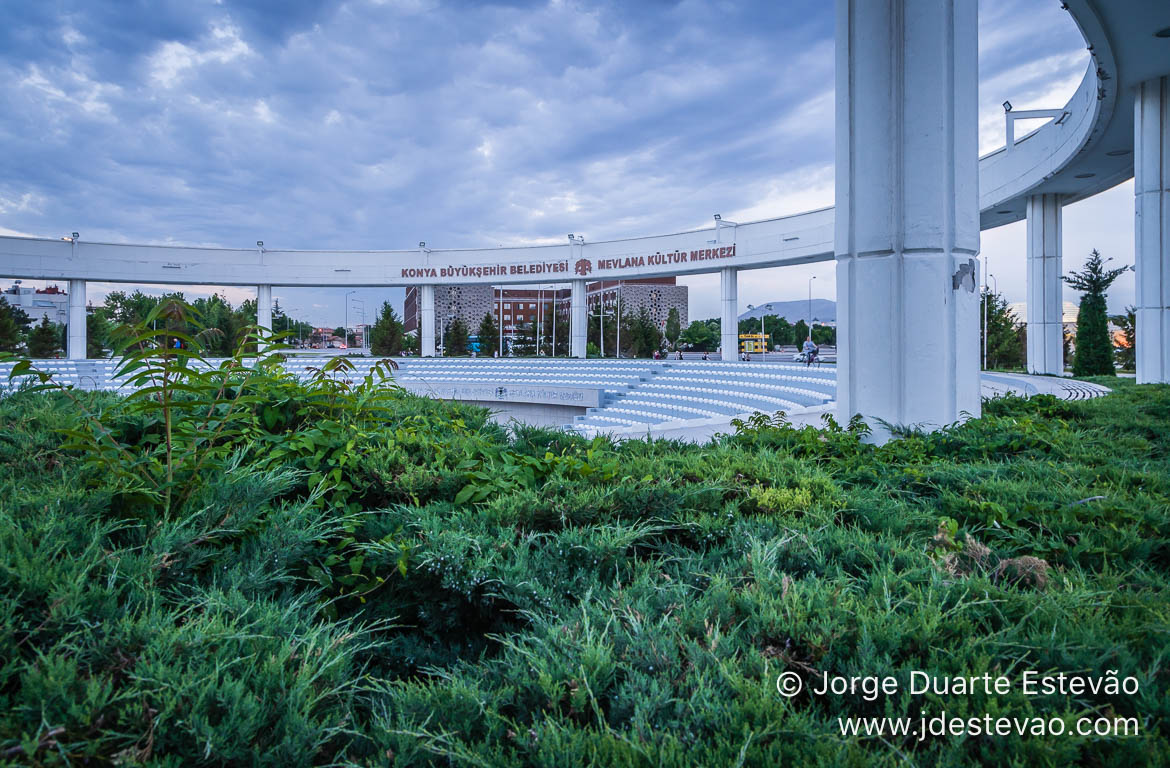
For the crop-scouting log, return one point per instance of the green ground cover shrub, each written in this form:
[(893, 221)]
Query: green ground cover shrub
[(369, 578)]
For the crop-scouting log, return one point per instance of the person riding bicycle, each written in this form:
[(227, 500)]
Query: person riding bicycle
[(810, 351)]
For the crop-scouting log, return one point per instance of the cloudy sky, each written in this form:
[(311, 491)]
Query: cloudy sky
[(380, 123)]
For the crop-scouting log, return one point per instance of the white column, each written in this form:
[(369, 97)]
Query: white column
[(578, 320), (907, 217), (1152, 236), (729, 316), (76, 347), (264, 306), (1045, 288), (426, 320)]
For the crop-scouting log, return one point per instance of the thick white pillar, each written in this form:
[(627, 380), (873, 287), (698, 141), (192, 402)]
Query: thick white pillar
[(264, 306), (729, 314), (426, 320), (1151, 187), (75, 346), (578, 320), (1045, 288), (907, 218)]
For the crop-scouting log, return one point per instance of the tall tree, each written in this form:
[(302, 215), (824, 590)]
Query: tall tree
[(779, 330), (700, 336), (386, 337), (457, 337), (1126, 357), (97, 333), (562, 336), (800, 332), (489, 335), (524, 339), (1094, 352), (279, 318), (10, 336), (673, 327), (24, 323), (223, 324), (134, 308), (45, 340), (824, 334), (1004, 348), (643, 333)]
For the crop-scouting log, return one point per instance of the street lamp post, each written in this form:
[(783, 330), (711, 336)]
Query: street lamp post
[(554, 322), (986, 301), (362, 313), (814, 277), (763, 313), (601, 321), (298, 322), (347, 295), (501, 347), (619, 320), (984, 366), (763, 336)]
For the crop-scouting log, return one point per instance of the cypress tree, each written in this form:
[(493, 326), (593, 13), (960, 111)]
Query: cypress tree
[(386, 337), (1094, 352), (97, 334), (457, 338), (1126, 355), (1004, 348), (9, 328), (44, 341), (489, 335), (673, 327)]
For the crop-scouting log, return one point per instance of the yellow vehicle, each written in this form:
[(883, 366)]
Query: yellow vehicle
[(754, 343)]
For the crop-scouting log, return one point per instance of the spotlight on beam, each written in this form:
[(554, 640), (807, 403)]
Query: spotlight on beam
[(1007, 106)]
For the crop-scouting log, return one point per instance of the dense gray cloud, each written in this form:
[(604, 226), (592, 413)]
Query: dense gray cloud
[(376, 124)]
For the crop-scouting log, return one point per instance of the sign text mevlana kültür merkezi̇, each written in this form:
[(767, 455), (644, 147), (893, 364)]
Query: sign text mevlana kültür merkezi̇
[(582, 267)]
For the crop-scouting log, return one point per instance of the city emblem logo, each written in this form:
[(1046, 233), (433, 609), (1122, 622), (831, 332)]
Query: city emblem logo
[(583, 267)]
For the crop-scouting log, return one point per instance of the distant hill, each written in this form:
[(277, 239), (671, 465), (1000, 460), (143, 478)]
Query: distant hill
[(823, 311)]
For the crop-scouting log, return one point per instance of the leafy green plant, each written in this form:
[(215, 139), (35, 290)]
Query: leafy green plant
[(509, 471), (194, 412)]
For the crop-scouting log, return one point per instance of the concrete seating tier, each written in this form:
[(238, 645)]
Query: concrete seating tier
[(690, 390), (736, 399), (632, 392)]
